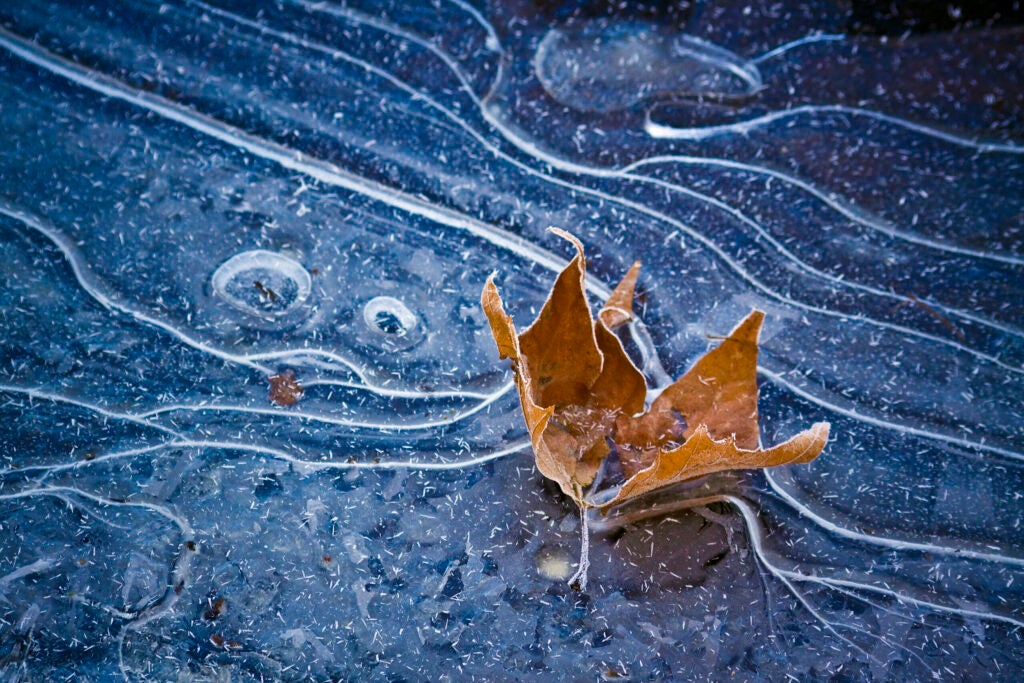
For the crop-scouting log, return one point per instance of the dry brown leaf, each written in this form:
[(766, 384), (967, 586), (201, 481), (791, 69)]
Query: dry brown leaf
[(583, 398), (285, 389)]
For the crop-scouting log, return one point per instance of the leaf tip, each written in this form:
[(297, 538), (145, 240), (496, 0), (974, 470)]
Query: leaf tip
[(568, 236), (813, 441), (618, 309), (502, 328), (821, 431), (749, 328)]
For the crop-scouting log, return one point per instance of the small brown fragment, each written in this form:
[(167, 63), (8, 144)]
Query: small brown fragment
[(265, 292), (285, 389), (217, 608)]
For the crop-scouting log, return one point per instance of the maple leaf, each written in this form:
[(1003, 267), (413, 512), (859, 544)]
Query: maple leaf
[(584, 400)]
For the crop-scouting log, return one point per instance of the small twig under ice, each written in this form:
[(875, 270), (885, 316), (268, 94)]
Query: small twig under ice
[(618, 519)]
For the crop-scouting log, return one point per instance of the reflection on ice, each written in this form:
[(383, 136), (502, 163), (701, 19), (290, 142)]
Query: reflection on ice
[(200, 197), (607, 66)]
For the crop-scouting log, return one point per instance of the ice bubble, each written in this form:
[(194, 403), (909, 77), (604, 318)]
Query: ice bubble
[(389, 316), (262, 283)]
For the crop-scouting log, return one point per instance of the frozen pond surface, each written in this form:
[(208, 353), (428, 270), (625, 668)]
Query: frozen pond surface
[(195, 198)]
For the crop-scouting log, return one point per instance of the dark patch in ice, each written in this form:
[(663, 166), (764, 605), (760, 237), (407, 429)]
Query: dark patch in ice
[(906, 17)]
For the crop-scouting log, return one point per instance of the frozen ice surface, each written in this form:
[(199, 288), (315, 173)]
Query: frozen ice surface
[(196, 197)]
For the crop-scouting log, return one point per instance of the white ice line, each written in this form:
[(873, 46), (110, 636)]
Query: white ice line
[(322, 418), (99, 459), (903, 598), (857, 217), (301, 464), (753, 526), (777, 378), (664, 132), (753, 529), (817, 274), (799, 42), (406, 393), (60, 491), (26, 570), (248, 360), (493, 42), (145, 419), (884, 541), (93, 290), (42, 395), (179, 570), (787, 576), (316, 465)]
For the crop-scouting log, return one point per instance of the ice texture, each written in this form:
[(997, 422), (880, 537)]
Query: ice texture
[(195, 198)]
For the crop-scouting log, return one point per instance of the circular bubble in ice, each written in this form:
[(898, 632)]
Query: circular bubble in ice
[(604, 67), (389, 316), (262, 283)]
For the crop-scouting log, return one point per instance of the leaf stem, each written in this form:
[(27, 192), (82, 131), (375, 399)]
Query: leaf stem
[(578, 581)]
